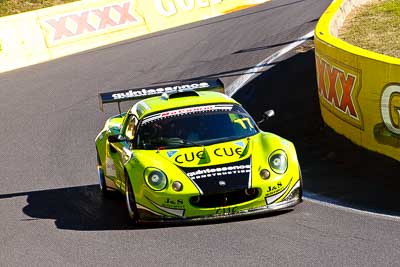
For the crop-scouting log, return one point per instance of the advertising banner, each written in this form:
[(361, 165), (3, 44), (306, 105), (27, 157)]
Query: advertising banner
[(50, 33), (164, 14), (359, 90)]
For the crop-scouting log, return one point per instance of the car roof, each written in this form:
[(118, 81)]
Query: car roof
[(161, 103)]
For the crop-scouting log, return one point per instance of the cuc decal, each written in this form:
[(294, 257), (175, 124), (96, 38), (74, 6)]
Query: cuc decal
[(202, 157)]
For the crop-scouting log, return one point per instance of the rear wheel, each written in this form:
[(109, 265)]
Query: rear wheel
[(130, 200), (102, 179)]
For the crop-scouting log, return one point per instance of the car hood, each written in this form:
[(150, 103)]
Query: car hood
[(216, 168)]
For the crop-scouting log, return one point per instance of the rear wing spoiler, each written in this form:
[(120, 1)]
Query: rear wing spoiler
[(142, 93)]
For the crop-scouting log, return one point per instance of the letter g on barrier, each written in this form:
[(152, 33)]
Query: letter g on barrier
[(167, 9), (386, 108), (186, 4)]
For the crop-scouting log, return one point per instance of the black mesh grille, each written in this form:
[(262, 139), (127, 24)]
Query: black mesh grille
[(225, 199)]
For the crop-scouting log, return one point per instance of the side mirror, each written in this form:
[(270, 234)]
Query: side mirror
[(116, 138), (266, 115)]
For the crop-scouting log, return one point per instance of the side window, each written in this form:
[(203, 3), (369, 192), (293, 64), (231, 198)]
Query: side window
[(130, 129)]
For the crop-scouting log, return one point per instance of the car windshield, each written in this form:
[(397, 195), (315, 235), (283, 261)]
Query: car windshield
[(195, 126)]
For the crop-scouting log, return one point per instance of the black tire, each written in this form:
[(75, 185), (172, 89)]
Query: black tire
[(301, 185), (130, 200), (102, 179)]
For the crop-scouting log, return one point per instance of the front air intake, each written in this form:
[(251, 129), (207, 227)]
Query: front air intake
[(225, 199)]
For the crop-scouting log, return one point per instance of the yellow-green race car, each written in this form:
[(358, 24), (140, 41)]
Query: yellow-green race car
[(189, 152)]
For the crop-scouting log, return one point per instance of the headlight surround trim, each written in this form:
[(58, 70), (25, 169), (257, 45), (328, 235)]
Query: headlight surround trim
[(278, 161), (155, 178)]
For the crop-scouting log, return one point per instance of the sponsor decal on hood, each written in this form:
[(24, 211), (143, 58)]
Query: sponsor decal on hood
[(228, 152), (221, 178)]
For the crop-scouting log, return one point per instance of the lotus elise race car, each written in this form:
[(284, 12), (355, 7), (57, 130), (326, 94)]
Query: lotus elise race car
[(189, 152)]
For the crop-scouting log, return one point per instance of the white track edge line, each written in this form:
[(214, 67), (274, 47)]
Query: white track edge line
[(314, 198), (249, 74)]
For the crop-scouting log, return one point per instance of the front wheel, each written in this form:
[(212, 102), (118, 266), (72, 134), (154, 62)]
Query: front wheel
[(130, 200)]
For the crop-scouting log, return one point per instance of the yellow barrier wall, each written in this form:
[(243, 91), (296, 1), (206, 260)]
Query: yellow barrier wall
[(50, 33), (20, 42), (359, 90)]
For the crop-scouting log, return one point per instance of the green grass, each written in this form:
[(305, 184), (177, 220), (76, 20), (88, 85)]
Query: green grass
[(11, 7), (375, 26)]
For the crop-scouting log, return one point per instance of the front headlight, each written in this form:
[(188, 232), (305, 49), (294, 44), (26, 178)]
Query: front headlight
[(155, 179), (278, 162)]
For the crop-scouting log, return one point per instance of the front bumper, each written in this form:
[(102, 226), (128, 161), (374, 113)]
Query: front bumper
[(283, 206), (283, 200)]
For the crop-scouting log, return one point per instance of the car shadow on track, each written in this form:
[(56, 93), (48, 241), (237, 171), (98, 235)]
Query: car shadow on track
[(334, 169), (76, 208), (83, 208)]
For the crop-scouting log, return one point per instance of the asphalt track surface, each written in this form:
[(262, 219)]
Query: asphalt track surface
[(51, 210)]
